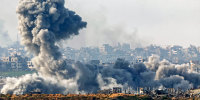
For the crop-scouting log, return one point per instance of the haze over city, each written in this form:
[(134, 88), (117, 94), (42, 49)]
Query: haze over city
[(140, 22), (114, 49)]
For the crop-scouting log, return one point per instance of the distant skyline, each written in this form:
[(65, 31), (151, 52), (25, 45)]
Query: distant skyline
[(139, 22)]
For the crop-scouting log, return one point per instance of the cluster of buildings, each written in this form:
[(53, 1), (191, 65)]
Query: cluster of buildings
[(15, 61), (154, 93), (110, 91), (15, 58), (108, 53)]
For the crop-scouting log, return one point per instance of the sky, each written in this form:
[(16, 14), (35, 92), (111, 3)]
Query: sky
[(139, 22)]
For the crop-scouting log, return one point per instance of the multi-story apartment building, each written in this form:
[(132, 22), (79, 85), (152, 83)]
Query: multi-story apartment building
[(14, 62)]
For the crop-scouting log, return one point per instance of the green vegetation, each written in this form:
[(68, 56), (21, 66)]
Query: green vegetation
[(15, 73)]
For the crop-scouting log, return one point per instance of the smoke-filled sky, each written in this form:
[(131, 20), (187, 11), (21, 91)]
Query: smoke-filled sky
[(140, 22), (44, 23)]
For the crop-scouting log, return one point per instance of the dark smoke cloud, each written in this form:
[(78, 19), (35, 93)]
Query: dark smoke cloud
[(122, 73), (43, 23), (179, 70), (90, 78), (176, 81)]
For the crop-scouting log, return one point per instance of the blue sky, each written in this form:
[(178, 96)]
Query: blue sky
[(139, 22)]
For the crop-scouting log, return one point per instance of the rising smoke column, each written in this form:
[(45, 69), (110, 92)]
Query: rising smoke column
[(42, 23)]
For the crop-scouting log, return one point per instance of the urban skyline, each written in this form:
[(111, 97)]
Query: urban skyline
[(108, 48)]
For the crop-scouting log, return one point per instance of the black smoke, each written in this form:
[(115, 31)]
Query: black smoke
[(43, 23)]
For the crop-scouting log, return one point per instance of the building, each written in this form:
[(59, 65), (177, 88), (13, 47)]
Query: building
[(194, 91), (194, 66), (6, 59), (18, 62), (95, 62), (140, 59), (171, 91), (30, 65), (5, 63), (117, 90), (14, 62), (106, 49), (105, 91), (141, 90)]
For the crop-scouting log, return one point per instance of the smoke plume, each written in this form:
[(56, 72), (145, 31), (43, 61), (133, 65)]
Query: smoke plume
[(43, 23), (153, 73)]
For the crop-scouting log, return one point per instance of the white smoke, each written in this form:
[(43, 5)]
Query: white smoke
[(111, 82), (43, 23)]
